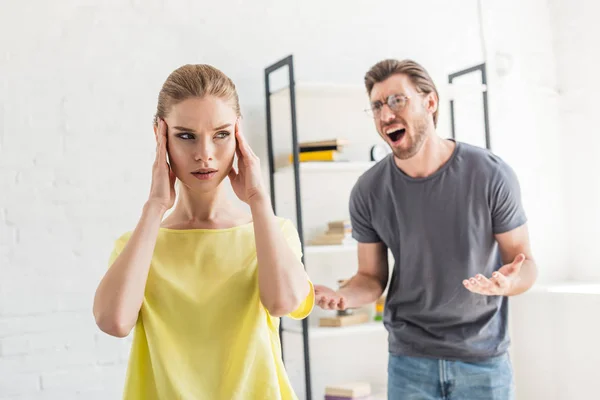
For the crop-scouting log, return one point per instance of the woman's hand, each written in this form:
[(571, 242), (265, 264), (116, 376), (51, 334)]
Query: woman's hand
[(162, 190), (247, 182)]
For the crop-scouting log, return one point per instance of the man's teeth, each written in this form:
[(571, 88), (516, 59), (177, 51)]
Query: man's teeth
[(393, 130)]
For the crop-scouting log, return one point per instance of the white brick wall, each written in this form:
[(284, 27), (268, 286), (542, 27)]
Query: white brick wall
[(78, 85), (575, 36)]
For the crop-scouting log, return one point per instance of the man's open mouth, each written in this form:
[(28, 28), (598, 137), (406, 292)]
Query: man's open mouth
[(396, 135)]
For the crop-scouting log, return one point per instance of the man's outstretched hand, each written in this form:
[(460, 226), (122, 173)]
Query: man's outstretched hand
[(329, 299), (501, 283)]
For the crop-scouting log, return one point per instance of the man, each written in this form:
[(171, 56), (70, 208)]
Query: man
[(451, 214)]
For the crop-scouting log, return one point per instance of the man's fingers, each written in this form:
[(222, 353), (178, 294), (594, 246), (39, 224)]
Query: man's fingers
[(517, 263), (473, 285), (500, 280), (484, 283), (330, 303), (519, 258), (322, 301)]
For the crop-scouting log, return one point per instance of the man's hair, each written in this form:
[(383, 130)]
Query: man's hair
[(413, 70)]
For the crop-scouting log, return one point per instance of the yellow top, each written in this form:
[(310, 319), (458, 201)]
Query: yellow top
[(202, 331)]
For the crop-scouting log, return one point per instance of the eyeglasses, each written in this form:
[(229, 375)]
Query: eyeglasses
[(396, 102)]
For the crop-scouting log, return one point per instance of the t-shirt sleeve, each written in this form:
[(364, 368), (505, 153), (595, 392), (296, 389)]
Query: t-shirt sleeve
[(293, 239), (506, 206), (118, 247), (360, 218)]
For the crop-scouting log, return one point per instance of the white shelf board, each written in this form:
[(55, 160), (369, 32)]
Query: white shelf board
[(323, 88), (320, 331), (451, 90), (312, 249), (323, 166)]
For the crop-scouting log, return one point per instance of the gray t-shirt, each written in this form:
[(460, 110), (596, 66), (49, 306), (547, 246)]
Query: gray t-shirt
[(440, 230)]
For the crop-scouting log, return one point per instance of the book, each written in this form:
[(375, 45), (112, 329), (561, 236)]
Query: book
[(344, 320), (349, 390), (318, 148), (325, 155), (333, 239), (344, 223), (339, 227), (329, 143)]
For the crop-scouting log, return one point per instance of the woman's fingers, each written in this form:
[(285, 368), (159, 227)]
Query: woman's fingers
[(245, 148), (162, 150)]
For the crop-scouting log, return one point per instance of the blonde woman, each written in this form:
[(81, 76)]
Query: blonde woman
[(204, 287)]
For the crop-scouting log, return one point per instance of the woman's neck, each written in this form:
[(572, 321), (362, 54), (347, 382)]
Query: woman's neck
[(210, 210)]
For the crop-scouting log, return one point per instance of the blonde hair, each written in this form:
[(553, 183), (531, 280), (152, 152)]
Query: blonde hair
[(414, 71), (195, 80)]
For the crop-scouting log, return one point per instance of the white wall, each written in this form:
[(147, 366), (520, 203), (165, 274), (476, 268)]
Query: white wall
[(553, 342), (575, 36), (525, 120), (554, 331), (78, 87)]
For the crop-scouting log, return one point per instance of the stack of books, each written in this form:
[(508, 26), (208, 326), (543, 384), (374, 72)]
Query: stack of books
[(338, 233), (340, 321), (324, 150), (349, 391)]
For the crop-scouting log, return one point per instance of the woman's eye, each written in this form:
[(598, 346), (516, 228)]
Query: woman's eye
[(222, 135), (186, 136)]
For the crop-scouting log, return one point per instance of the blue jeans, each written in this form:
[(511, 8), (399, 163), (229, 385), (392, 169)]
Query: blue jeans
[(412, 378)]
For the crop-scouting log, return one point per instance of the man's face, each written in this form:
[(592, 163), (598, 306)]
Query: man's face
[(402, 115)]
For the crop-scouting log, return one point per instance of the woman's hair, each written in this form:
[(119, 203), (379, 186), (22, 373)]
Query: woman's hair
[(195, 80)]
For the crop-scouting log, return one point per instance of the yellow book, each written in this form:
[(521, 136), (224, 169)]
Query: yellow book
[(325, 155)]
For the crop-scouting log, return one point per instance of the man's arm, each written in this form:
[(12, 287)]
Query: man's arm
[(363, 288), (519, 272)]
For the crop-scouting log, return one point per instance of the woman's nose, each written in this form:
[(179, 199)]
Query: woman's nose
[(204, 150)]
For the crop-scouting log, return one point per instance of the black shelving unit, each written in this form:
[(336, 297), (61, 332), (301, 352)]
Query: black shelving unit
[(486, 120), (289, 63)]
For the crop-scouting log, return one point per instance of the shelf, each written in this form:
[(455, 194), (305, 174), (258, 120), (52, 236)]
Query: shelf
[(330, 249), (322, 88), (450, 90), (319, 331), (325, 166)]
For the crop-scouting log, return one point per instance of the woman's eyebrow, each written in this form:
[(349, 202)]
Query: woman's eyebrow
[(181, 128), (222, 127)]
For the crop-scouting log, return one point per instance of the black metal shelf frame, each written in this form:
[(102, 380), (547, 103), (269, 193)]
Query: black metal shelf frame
[(481, 68), (289, 63)]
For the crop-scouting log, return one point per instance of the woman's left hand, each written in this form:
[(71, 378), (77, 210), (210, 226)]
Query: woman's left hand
[(247, 182)]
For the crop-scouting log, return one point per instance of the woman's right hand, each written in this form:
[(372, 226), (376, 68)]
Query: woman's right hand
[(162, 190)]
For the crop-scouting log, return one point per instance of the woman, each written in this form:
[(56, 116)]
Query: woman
[(205, 287)]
